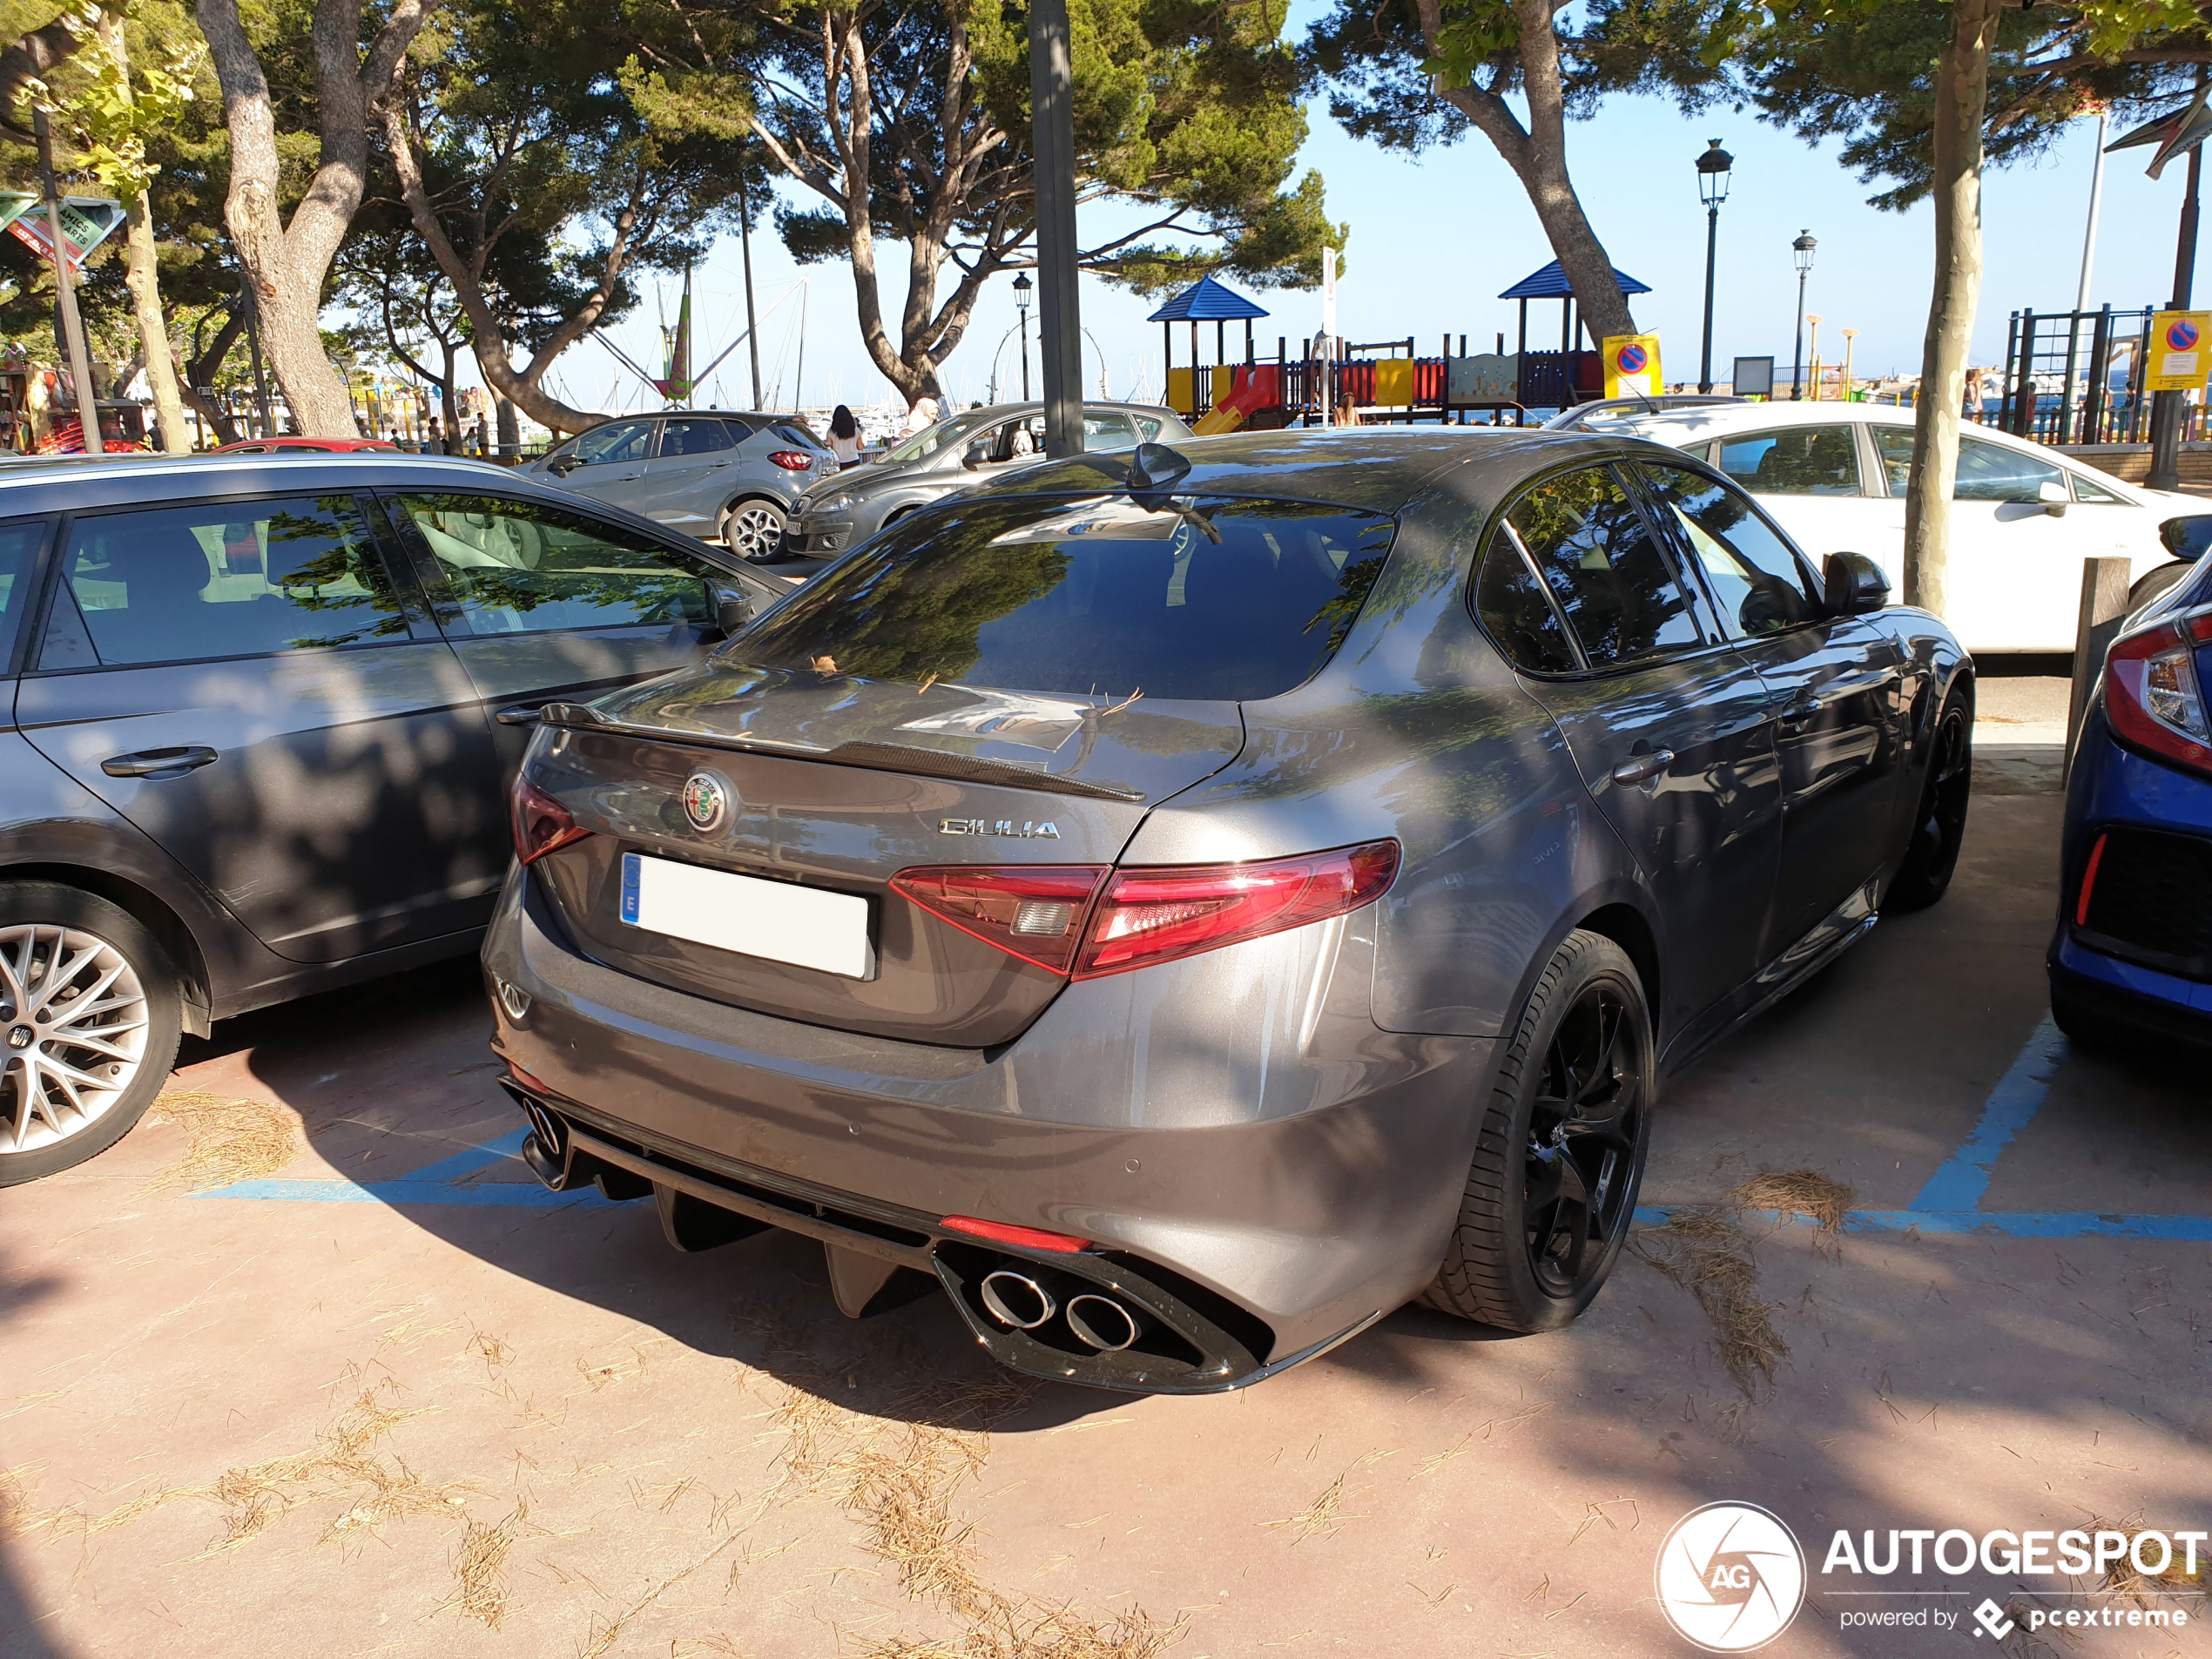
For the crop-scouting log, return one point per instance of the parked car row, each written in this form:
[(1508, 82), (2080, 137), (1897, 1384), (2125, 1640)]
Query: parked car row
[(1183, 900)]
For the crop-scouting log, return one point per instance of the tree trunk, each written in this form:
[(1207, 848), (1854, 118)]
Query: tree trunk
[(142, 275), (287, 264), (1537, 154), (1962, 97), (511, 430)]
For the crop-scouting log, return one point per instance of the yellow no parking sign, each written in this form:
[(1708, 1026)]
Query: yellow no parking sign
[(2179, 352), (1632, 365)]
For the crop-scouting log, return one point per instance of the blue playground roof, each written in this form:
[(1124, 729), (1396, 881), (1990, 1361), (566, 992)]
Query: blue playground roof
[(1206, 300), (1551, 283)]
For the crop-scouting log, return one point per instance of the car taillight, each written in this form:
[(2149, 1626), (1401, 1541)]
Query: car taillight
[(2152, 694), (540, 823), (794, 460), (1147, 916), (1059, 918), (1034, 912), (1005, 1232)]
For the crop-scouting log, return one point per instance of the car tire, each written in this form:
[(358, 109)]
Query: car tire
[(1570, 1111), (2161, 579), (753, 527), (127, 1033), (1939, 824)]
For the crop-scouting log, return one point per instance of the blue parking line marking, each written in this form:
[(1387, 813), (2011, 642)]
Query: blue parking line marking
[(442, 1182), (2026, 1224), (1962, 1178)]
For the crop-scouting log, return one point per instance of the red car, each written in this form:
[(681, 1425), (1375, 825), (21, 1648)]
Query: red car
[(302, 446)]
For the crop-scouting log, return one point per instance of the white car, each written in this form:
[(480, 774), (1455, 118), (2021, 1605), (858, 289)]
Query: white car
[(2023, 517)]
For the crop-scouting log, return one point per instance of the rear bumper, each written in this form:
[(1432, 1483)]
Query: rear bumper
[(2157, 1006), (1299, 1176)]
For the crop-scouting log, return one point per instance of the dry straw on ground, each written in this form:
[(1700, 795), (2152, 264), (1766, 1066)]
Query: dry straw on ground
[(479, 1568), (1704, 1251), (231, 1139), (1800, 1192), (2121, 1578)]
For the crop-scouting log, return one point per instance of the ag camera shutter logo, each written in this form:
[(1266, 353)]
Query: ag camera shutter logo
[(1731, 1577)]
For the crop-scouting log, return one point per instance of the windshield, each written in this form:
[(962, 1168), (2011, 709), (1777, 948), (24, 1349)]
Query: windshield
[(1205, 598), (930, 440)]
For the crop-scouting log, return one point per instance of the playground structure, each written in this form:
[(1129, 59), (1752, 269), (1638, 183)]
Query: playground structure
[(1380, 381)]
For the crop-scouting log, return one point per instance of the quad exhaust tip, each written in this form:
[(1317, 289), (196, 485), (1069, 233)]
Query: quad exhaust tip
[(1101, 1322), (1017, 1300)]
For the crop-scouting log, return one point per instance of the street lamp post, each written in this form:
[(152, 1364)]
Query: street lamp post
[(1801, 250), (1712, 190), (1021, 286)]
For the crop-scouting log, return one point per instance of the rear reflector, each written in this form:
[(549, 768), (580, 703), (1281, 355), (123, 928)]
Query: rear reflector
[(540, 823), (1006, 1233), (2089, 883), (1083, 920)]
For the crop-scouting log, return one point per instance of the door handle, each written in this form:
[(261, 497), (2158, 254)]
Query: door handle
[(159, 763), (1800, 712), (1640, 769), (716, 466)]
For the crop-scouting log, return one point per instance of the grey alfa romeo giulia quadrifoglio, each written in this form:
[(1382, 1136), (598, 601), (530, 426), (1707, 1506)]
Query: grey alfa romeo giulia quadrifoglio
[(1188, 902)]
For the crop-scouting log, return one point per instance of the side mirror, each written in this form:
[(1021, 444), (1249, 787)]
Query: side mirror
[(562, 467), (732, 608), (2053, 497), (974, 455), (2188, 538), (1854, 583)]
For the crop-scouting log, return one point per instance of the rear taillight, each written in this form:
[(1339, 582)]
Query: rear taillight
[(2153, 697), (1059, 918), (1005, 1232), (1034, 912), (1147, 916), (794, 460), (540, 824)]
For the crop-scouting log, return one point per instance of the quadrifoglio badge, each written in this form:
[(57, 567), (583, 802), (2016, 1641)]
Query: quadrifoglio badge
[(1731, 1577)]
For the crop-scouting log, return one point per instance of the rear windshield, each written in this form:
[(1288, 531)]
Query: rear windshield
[(1196, 598)]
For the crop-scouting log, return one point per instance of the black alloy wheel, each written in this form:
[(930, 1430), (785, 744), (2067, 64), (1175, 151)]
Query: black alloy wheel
[(1559, 1149), (1939, 827), (1584, 1127)]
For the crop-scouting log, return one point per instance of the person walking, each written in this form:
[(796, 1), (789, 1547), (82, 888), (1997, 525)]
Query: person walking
[(845, 437), (434, 444)]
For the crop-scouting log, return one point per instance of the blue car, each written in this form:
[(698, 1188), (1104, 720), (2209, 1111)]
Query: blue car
[(2133, 954)]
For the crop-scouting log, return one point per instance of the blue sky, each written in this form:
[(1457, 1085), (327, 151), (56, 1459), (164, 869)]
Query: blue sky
[(1433, 237)]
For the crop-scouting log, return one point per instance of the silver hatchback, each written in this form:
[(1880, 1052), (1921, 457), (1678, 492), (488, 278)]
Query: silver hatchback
[(844, 509), (710, 473)]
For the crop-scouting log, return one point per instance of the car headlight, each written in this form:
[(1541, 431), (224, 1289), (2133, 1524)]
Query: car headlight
[(827, 504)]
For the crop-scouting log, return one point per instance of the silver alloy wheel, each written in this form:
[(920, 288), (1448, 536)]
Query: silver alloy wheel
[(73, 1022), (754, 529)]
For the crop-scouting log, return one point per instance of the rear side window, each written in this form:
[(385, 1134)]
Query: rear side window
[(1762, 584), (518, 567), (1193, 598), (1609, 574), (679, 438), (1511, 604), (1796, 461), (230, 579)]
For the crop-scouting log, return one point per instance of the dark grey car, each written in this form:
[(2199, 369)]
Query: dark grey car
[(730, 474), (971, 448), (1186, 904), (251, 750)]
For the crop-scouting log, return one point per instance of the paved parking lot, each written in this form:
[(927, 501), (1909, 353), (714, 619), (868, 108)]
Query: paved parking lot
[(370, 1391)]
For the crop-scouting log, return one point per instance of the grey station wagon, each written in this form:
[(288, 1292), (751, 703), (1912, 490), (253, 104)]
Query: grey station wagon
[(250, 749), (1187, 903)]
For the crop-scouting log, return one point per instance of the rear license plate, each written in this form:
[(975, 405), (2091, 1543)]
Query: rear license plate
[(771, 919)]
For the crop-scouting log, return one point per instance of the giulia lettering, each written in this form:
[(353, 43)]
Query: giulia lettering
[(1028, 831)]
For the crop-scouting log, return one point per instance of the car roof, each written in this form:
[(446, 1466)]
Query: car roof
[(1380, 468), (59, 484), (1038, 408), (1712, 419)]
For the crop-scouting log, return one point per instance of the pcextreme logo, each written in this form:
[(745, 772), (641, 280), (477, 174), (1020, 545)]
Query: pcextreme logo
[(1731, 1577)]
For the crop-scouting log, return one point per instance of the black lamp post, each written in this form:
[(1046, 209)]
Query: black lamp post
[(1021, 286), (1712, 190), (1801, 250)]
